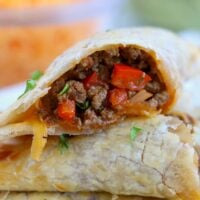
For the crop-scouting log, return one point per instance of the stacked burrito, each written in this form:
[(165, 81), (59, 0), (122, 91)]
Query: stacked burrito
[(113, 118)]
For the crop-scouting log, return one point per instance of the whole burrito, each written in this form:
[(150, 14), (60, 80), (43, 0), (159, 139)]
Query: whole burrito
[(66, 196), (158, 161)]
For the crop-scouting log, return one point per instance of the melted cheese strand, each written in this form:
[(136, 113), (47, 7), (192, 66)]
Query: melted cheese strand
[(39, 138)]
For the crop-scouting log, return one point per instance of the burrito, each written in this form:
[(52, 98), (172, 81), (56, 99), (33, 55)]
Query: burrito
[(111, 77), (66, 196), (146, 157), (188, 100), (105, 79), (99, 106)]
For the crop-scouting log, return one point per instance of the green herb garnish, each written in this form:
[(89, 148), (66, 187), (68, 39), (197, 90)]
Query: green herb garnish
[(134, 132), (36, 75), (84, 106), (64, 90), (30, 84), (63, 143)]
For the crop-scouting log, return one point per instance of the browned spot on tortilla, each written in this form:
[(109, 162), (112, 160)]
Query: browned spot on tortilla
[(185, 117), (13, 148), (5, 154), (60, 187)]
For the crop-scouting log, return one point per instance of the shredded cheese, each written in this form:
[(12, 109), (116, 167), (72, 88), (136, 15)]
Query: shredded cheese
[(39, 138)]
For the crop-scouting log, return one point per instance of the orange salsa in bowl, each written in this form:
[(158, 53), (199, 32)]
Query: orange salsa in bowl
[(33, 33)]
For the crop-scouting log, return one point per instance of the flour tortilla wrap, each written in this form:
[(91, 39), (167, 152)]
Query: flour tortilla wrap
[(66, 196), (188, 101), (160, 50), (159, 162)]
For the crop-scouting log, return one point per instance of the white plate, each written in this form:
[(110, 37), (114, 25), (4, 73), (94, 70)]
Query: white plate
[(8, 95)]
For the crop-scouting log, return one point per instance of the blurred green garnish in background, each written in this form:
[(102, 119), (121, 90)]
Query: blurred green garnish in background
[(173, 14)]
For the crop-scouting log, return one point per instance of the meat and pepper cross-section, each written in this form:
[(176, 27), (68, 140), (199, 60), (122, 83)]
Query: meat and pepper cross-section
[(104, 88), (110, 77)]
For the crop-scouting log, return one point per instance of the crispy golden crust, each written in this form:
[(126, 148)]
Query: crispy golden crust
[(157, 163)]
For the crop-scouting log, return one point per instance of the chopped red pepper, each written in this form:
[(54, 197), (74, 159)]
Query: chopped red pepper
[(126, 77), (92, 79), (67, 110), (117, 96)]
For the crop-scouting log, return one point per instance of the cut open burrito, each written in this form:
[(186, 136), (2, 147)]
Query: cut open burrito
[(160, 161), (105, 85), (99, 82), (109, 77)]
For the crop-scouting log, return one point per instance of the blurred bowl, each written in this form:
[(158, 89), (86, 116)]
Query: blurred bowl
[(31, 37)]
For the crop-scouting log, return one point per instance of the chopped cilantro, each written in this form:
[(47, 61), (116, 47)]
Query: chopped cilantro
[(84, 106), (134, 132), (63, 143), (64, 90), (36, 75), (31, 83)]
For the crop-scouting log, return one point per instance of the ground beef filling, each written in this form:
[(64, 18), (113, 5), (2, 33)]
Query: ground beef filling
[(103, 88)]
